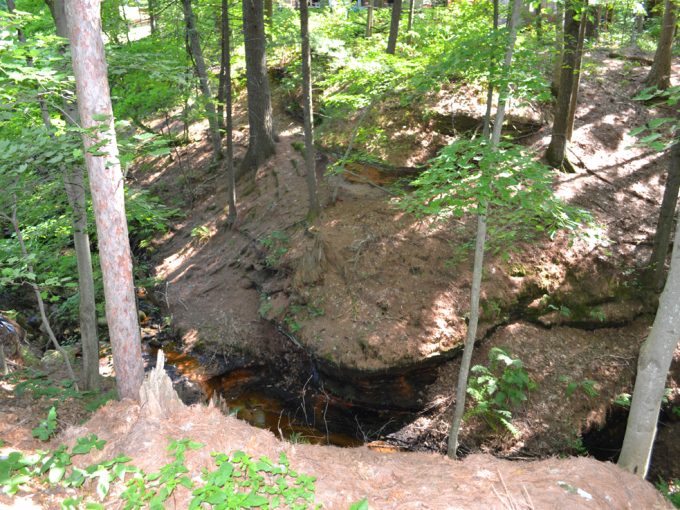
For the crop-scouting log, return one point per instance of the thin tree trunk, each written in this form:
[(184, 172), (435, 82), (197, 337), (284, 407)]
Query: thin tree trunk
[(652, 369), (269, 9), (261, 143), (492, 69), (151, 6), (224, 62), (664, 226), (369, 19), (38, 297), (556, 154), (74, 182), (197, 55), (314, 208), (480, 241), (106, 186), (411, 12), (394, 27), (660, 74), (573, 100), (226, 58), (559, 42)]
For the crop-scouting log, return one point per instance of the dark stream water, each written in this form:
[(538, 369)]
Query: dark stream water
[(305, 411)]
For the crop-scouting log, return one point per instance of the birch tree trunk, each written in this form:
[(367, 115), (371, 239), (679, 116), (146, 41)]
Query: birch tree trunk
[(199, 63), (310, 166), (480, 242), (106, 186), (653, 365)]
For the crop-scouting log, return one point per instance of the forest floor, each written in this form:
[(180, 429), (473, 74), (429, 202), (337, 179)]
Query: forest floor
[(367, 288)]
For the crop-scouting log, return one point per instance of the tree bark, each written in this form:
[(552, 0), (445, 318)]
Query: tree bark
[(369, 19), (559, 42), (660, 74), (558, 143), (199, 64), (664, 226), (310, 166), (269, 8), (74, 183), (106, 186), (226, 66), (261, 143), (411, 12), (394, 27), (573, 100), (153, 22), (480, 242), (653, 365), (486, 126)]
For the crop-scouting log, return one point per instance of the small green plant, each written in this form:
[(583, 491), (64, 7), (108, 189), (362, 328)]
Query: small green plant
[(670, 489), (360, 505), (47, 427), (201, 233), (623, 400), (238, 482), (598, 313), (298, 438), (265, 306), (563, 310), (588, 386), (498, 388), (276, 244)]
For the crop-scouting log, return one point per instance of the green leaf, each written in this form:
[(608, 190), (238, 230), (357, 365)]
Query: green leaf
[(360, 505)]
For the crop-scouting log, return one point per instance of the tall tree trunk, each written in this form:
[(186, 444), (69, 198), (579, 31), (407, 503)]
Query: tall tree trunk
[(411, 12), (492, 69), (153, 22), (261, 142), (106, 186), (660, 74), (310, 166), (394, 27), (199, 64), (269, 9), (480, 242), (556, 153), (664, 226), (369, 19), (559, 42), (652, 369), (74, 183), (226, 61), (573, 100)]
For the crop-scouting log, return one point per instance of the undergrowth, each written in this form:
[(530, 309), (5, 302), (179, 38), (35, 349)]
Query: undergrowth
[(237, 481)]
